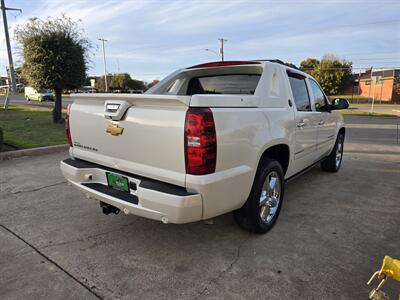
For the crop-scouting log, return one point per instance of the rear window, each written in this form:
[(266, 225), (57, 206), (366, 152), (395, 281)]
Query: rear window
[(44, 91), (243, 84)]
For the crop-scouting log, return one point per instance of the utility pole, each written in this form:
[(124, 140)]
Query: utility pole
[(221, 50), (373, 96), (370, 84), (105, 64), (13, 82)]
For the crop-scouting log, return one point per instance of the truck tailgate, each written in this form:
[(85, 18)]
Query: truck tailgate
[(147, 140)]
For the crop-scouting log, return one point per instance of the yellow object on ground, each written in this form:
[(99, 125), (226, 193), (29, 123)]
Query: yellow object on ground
[(391, 268)]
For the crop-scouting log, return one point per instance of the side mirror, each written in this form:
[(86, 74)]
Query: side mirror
[(340, 103)]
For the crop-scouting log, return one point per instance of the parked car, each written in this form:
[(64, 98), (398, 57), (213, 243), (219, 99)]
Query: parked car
[(39, 95), (4, 89), (136, 91), (87, 89), (206, 140), (20, 87)]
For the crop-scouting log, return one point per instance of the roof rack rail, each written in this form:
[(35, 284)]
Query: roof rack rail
[(226, 63), (278, 61)]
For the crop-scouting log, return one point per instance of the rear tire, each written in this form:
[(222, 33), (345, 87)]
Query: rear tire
[(262, 208), (333, 162)]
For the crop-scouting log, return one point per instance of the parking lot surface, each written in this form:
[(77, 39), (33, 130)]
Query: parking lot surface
[(332, 234)]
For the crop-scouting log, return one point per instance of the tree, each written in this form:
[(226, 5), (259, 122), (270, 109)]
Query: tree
[(120, 81), (20, 75), (153, 83), (332, 73), (138, 85), (397, 85), (88, 80), (309, 65), (100, 84), (55, 56), (290, 65)]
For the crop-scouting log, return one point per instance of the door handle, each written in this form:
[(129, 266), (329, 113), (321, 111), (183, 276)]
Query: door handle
[(321, 122), (301, 124)]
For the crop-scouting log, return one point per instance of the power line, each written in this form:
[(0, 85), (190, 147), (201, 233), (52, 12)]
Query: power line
[(370, 62), (346, 68), (375, 59)]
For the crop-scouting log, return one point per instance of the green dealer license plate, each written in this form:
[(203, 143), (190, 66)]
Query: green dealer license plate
[(118, 182)]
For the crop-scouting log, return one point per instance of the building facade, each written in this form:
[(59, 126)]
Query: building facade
[(381, 85)]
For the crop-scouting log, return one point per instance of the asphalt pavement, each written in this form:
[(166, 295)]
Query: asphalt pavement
[(388, 109), (391, 109), (331, 236), (21, 101)]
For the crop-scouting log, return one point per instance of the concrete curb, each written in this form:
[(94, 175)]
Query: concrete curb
[(32, 152)]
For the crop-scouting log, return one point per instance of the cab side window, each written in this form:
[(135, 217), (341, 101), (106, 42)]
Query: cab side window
[(319, 98), (299, 91)]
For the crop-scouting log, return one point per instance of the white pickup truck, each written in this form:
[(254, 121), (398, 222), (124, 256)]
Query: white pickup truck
[(209, 139)]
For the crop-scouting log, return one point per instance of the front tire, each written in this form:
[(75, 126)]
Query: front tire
[(333, 162), (262, 208)]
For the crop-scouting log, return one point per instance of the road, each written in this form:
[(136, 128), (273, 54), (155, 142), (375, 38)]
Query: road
[(332, 234), (392, 109), (368, 131), (19, 100)]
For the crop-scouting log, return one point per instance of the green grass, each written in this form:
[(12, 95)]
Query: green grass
[(29, 128), (355, 99), (364, 113)]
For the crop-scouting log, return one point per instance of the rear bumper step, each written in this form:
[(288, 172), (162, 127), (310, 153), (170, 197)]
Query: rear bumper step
[(144, 181), (112, 192), (147, 198)]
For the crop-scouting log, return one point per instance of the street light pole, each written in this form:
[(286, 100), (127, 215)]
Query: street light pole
[(10, 59), (215, 52), (222, 40), (105, 64)]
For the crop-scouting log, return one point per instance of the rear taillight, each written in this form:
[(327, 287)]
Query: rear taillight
[(67, 126), (200, 141)]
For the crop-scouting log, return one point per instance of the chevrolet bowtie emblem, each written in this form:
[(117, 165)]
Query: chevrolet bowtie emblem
[(114, 129)]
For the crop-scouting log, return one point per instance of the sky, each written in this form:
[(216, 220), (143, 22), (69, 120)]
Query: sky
[(152, 38)]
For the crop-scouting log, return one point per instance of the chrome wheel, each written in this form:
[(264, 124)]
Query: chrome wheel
[(339, 152), (270, 196)]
